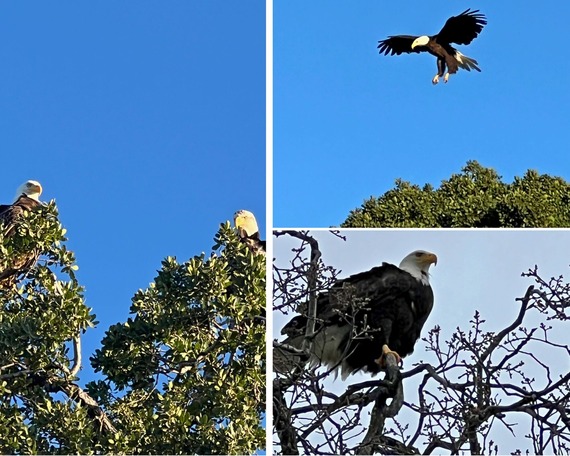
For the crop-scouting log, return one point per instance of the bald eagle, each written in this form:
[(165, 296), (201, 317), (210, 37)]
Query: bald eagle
[(27, 199), (248, 231), (364, 317), (461, 29)]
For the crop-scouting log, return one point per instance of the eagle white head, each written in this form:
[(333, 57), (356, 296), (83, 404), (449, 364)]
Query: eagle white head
[(245, 223), (32, 189), (420, 41), (417, 264)]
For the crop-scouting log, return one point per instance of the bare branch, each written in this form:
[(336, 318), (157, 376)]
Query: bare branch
[(76, 356)]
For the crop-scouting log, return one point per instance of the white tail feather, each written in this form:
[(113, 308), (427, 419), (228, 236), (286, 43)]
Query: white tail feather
[(465, 62)]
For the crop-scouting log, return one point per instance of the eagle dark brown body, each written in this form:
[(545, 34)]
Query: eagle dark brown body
[(460, 29), (360, 315), (10, 215)]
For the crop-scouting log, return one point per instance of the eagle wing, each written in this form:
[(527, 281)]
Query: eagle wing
[(9, 216), (398, 45), (361, 313), (331, 305), (462, 29), (4, 213), (376, 287), (398, 306)]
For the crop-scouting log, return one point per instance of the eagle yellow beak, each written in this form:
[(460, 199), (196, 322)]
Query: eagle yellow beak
[(429, 258)]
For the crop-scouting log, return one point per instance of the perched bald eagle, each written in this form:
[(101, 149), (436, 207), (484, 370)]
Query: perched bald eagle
[(248, 231), (364, 317), (460, 29), (27, 199)]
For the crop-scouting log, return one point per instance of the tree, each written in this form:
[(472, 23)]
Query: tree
[(475, 198), (484, 382), (185, 374)]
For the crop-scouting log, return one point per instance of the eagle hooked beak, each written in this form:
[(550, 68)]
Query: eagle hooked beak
[(431, 258), (37, 188)]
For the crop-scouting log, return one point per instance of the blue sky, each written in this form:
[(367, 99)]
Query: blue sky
[(476, 270), (144, 120), (348, 122)]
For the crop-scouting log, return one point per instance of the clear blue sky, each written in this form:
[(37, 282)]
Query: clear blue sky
[(348, 122), (144, 120), (476, 270)]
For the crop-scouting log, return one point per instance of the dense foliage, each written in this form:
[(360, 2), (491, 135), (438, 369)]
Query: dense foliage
[(185, 374), (477, 197)]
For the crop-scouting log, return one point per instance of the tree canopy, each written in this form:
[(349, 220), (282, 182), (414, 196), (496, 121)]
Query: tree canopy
[(476, 197), (185, 374)]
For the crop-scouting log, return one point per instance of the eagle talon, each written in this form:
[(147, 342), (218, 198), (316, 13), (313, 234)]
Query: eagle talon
[(446, 78), (386, 351), (435, 79)]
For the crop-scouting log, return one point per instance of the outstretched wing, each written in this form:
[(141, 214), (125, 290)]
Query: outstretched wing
[(398, 45), (462, 29)]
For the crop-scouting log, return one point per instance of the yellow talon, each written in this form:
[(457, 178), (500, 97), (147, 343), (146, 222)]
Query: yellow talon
[(386, 351)]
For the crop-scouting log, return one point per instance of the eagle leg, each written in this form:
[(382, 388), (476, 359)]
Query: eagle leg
[(435, 79), (446, 78), (386, 351)]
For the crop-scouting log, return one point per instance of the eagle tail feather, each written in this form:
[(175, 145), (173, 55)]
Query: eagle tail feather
[(467, 63)]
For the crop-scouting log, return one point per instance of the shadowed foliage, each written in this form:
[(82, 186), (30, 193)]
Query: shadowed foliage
[(476, 198)]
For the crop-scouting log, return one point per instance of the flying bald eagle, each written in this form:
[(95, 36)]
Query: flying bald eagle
[(27, 199), (460, 29), (248, 231), (364, 317)]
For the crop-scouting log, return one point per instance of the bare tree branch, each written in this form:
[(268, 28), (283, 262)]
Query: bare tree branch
[(76, 356)]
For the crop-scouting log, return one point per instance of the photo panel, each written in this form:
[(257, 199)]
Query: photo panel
[(363, 138), (132, 221), (399, 341)]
